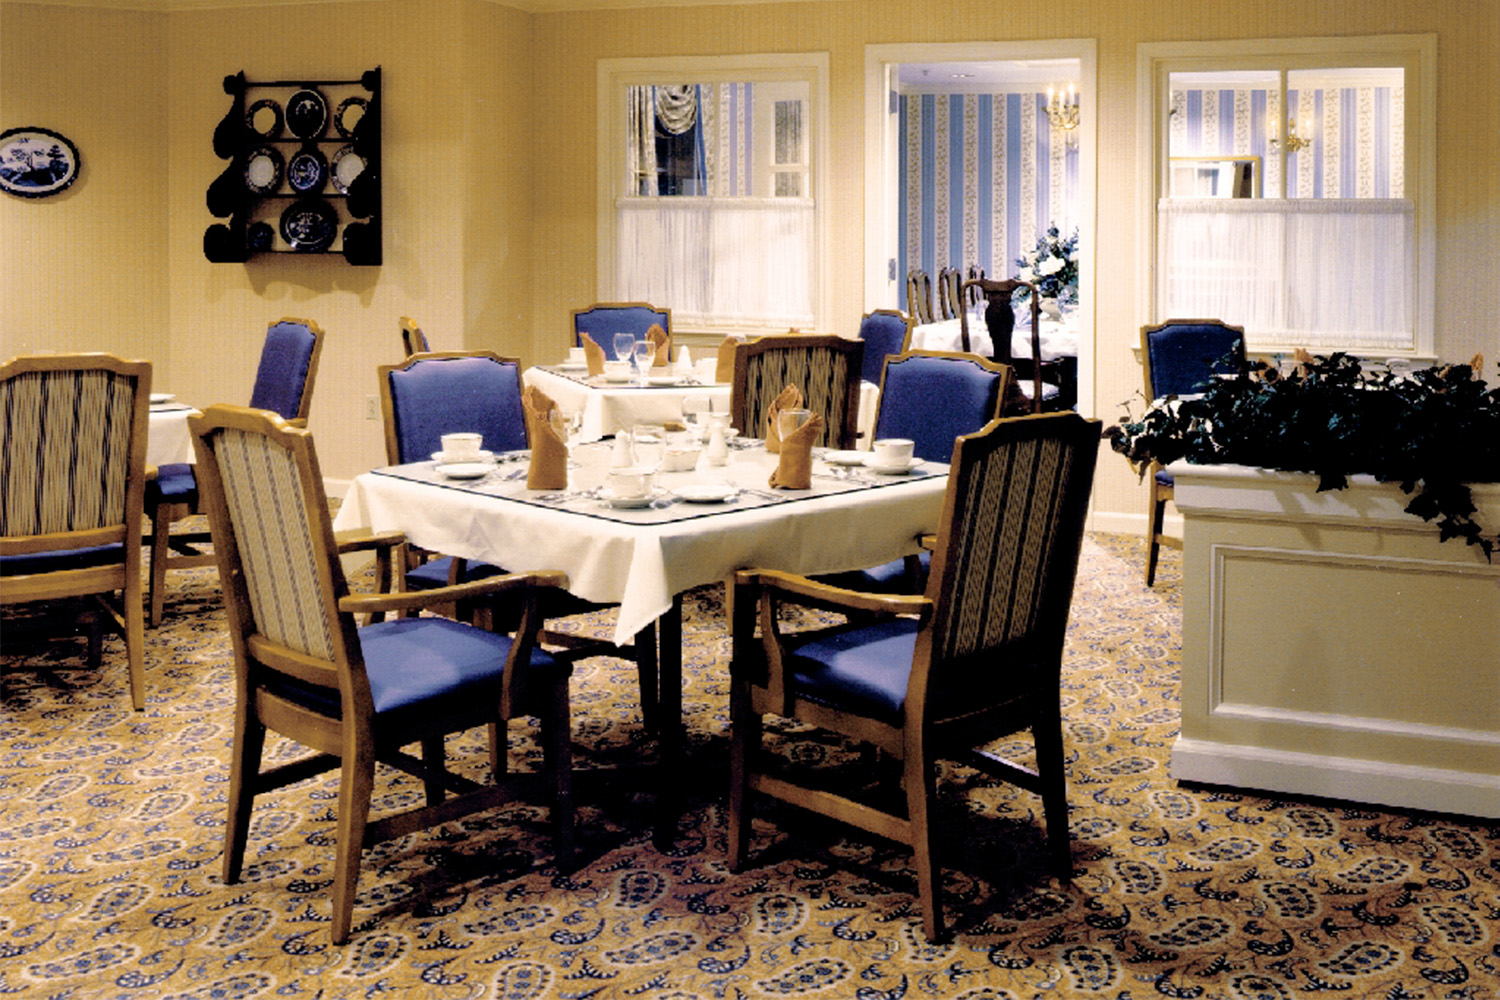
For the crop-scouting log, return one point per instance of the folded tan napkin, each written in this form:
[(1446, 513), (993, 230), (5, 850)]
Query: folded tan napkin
[(549, 455), (663, 343), (794, 468), (592, 353), (724, 372), (789, 398)]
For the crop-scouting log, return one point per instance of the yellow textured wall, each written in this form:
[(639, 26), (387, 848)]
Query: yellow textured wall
[(82, 270)]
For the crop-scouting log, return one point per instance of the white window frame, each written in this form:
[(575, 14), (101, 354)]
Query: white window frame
[(614, 75), (1416, 54)]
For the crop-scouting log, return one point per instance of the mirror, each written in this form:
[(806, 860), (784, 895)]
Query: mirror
[(1215, 177)]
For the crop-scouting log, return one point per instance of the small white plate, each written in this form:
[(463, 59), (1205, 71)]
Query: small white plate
[(664, 379), (466, 470), (628, 503), (163, 397), (707, 492), (571, 366), (618, 379), (893, 470), (484, 456), (845, 457)]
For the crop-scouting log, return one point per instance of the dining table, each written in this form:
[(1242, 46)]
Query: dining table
[(609, 406), (696, 528), (1057, 338), (168, 440)]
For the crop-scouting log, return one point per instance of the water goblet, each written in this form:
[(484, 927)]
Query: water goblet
[(788, 420), (645, 353), (694, 409), (624, 343)]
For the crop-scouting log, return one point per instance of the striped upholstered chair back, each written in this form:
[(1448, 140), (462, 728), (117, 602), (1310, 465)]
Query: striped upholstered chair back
[(1002, 573), (826, 369)]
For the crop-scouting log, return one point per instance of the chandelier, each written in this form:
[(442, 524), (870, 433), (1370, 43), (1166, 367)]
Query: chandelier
[(1062, 112), (1294, 142)]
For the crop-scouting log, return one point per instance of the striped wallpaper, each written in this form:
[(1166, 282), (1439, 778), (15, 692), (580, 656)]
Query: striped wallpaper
[(1357, 135), (982, 176)]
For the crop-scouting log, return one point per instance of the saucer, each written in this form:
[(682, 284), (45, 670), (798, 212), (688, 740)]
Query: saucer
[(466, 470), (571, 366), (162, 397), (628, 503), (892, 470), (845, 457), (618, 379), (707, 492), (484, 456), (664, 379)]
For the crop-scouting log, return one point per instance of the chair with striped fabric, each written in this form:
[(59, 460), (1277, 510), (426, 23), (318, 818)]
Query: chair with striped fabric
[(357, 696), (978, 657), (283, 384), (825, 369), (1177, 357), (72, 486), (413, 340)]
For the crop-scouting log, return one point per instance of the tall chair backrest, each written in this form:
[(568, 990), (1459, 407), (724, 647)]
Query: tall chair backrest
[(1007, 552), (288, 368), (825, 369), (885, 332), (950, 292), (72, 452), (429, 395), (1000, 320), (933, 397), (1180, 355), (413, 340), (602, 320), (919, 295)]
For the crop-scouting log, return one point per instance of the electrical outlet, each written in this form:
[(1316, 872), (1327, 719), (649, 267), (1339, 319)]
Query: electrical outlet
[(372, 408)]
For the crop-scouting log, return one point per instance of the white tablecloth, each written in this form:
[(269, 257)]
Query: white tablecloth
[(642, 559), (1057, 339), (609, 408), (167, 436)]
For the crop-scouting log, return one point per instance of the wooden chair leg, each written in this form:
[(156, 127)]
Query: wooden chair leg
[(557, 751), (244, 770), (1047, 733), (133, 615), (161, 530), (921, 800), (433, 757), (745, 727), (499, 750), (356, 782), (648, 678), (1156, 514)]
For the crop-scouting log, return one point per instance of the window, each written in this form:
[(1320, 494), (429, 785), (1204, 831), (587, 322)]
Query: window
[(1287, 196), (709, 189)]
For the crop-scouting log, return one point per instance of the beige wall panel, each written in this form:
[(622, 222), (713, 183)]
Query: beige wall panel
[(81, 270)]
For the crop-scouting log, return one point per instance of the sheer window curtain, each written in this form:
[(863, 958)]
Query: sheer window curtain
[(717, 259), (1317, 273)]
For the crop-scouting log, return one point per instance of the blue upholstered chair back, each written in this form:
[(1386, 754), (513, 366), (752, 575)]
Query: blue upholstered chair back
[(603, 320), (283, 382), (884, 332), (934, 398), (1181, 355), (445, 394)]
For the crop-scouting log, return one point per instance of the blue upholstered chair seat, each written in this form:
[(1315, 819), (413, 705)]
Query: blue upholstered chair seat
[(419, 664), (62, 559), (175, 482), (887, 578), (434, 573), (861, 669), (1165, 478)]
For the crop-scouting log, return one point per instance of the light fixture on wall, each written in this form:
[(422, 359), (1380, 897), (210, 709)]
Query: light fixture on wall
[(1062, 113), (1294, 141)]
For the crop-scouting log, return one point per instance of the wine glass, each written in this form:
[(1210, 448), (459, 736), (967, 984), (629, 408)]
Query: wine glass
[(645, 353), (571, 422), (788, 420), (624, 343), (693, 410)]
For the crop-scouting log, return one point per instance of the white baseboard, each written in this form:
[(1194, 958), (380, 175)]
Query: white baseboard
[(1118, 523), (1432, 789)]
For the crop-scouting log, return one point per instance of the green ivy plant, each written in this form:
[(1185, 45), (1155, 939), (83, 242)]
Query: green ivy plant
[(1432, 431)]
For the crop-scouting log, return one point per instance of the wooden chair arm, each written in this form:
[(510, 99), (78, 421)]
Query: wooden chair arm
[(416, 600), (928, 542), (365, 540), (825, 595)]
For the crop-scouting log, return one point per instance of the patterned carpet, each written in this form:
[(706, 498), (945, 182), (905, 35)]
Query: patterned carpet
[(111, 826)]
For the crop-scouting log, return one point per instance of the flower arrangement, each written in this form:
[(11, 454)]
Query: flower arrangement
[(1432, 431), (1052, 266)]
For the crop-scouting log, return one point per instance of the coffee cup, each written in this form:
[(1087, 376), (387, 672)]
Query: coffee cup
[(893, 452), (617, 371), (462, 447), (576, 356), (629, 482)]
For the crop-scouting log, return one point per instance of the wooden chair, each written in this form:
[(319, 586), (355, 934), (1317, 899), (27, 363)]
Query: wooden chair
[(358, 695), (1177, 358), (413, 340), (977, 658), (826, 370), (1044, 386), (950, 292), (73, 468), (933, 398), (283, 384), (919, 296), (886, 332), (602, 320), (427, 396)]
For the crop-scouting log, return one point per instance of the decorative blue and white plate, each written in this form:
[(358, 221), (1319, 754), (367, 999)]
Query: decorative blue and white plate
[(263, 118), (308, 172), (307, 114), (309, 226), (263, 170), (347, 165), (351, 110), (36, 162)]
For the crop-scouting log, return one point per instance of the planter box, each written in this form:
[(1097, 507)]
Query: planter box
[(1332, 646)]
